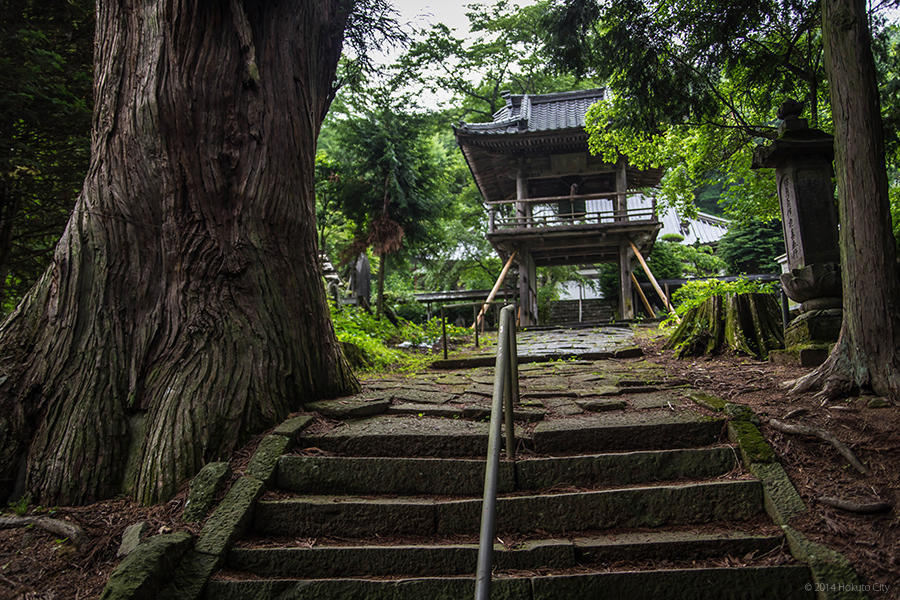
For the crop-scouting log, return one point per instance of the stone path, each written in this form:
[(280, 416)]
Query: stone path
[(624, 487), (593, 343)]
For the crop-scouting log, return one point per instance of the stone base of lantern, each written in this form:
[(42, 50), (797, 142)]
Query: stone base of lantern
[(809, 338)]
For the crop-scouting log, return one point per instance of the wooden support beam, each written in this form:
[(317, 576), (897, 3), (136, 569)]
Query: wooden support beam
[(626, 296), (643, 296), (494, 290), (652, 279)]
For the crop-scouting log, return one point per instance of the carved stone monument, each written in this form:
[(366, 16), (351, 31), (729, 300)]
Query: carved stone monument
[(802, 159)]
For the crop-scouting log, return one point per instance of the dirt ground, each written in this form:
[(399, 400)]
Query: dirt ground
[(870, 542), (36, 565)]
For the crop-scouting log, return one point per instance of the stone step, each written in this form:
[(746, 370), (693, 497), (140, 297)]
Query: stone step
[(746, 583), (436, 437), (459, 558), (346, 516), (612, 432), (465, 477)]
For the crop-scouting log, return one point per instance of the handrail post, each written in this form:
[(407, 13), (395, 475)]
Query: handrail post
[(502, 394), (444, 330), (511, 397), (475, 317)]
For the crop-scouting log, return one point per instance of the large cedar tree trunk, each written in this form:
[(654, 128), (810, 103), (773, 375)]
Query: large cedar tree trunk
[(866, 354), (184, 309)]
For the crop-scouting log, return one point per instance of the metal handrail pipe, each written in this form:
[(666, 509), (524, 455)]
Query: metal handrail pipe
[(505, 380)]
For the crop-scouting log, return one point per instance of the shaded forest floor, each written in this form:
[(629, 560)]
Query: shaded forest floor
[(36, 565), (870, 542)]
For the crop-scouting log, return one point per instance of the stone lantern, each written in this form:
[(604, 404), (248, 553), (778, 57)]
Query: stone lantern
[(802, 159)]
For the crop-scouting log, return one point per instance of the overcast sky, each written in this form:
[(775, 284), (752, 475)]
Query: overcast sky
[(451, 13)]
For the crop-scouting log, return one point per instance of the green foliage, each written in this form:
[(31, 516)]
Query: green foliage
[(378, 338), (665, 261), (45, 111), (503, 50), (694, 86), (752, 248), (694, 293), (20, 506)]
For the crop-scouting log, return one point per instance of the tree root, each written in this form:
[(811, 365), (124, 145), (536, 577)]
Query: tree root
[(862, 508), (829, 437), (72, 532)]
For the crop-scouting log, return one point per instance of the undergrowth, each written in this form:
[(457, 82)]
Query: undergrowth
[(377, 339)]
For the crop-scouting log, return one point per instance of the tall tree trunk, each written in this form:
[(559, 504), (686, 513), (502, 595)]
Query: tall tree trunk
[(184, 309), (866, 354)]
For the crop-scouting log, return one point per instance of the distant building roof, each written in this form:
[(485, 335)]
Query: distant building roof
[(540, 112), (702, 229)]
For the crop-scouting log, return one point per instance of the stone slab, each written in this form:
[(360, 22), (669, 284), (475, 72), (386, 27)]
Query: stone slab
[(747, 583), (404, 436), (484, 412), (421, 396), (131, 538), (231, 517), (145, 570), (349, 408), (292, 427), (379, 561), (654, 400), (632, 507), (645, 430), (347, 516), (602, 405), (425, 410), (623, 468), (831, 571), (782, 501), (265, 459), (379, 475), (437, 588), (663, 545), (205, 485)]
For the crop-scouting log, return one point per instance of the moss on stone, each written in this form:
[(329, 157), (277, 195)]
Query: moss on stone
[(265, 460), (231, 517), (147, 568), (780, 498), (833, 574), (739, 412), (204, 487), (293, 426), (754, 447), (708, 400)]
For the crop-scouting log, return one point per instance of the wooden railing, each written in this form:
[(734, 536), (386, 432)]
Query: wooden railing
[(509, 218)]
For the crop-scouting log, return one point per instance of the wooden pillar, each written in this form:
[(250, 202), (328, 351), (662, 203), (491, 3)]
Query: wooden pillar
[(527, 289), (523, 209), (626, 299), (621, 203)]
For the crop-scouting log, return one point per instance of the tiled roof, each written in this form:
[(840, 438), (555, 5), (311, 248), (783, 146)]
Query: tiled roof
[(540, 112), (703, 229)]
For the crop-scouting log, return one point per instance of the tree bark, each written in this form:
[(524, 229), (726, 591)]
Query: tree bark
[(742, 323), (184, 309), (865, 355)]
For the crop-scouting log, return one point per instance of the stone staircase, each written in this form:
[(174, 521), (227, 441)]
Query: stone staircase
[(640, 500)]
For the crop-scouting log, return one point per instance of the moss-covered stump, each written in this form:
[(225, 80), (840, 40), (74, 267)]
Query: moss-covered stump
[(745, 323)]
